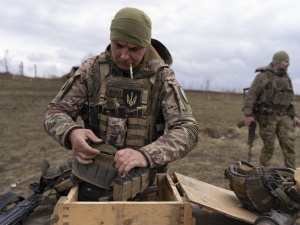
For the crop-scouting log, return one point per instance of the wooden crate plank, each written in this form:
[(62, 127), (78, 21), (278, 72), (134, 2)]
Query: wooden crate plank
[(187, 214), (158, 213), (168, 210), (213, 198), (73, 195)]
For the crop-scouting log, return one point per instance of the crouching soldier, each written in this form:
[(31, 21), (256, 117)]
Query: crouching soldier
[(129, 98)]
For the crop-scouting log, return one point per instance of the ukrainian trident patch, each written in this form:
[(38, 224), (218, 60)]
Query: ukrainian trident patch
[(131, 98)]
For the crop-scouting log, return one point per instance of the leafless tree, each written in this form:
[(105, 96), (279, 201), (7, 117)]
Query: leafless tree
[(207, 82), (21, 69), (6, 61)]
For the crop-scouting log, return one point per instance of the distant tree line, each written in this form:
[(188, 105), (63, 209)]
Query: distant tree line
[(6, 60)]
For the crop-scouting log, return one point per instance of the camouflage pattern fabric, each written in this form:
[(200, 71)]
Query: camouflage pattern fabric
[(275, 97), (280, 126), (181, 130), (276, 89)]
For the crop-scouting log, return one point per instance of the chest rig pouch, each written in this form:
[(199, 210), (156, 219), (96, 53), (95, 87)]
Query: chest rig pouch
[(278, 92), (283, 92), (124, 118), (101, 172)]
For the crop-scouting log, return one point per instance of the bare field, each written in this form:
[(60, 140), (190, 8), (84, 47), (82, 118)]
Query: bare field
[(23, 140)]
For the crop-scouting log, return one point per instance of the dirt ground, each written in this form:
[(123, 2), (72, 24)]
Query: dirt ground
[(24, 142)]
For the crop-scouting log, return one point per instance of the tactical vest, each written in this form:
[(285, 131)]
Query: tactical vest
[(125, 119), (278, 93), (262, 189), (123, 112)]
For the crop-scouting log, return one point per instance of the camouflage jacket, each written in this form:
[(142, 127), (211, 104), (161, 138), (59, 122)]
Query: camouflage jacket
[(181, 129), (271, 90)]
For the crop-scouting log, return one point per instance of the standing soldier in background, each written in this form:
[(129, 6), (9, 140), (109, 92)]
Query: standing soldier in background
[(270, 103)]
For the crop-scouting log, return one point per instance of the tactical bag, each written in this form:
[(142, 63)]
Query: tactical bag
[(261, 189)]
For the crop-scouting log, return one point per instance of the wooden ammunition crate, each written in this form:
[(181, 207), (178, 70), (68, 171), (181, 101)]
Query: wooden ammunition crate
[(164, 207)]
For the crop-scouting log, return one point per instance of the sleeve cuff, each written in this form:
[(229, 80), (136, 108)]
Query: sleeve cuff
[(151, 163), (65, 139)]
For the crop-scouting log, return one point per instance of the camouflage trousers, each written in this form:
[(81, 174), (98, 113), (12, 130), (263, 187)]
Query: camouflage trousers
[(282, 127)]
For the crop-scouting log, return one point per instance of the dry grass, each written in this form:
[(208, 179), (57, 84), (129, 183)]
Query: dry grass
[(24, 141)]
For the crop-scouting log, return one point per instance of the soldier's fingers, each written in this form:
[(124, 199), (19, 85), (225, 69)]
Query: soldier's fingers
[(126, 166), (121, 159), (84, 161), (86, 149), (86, 155), (119, 154), (91, 136), (92, 151)]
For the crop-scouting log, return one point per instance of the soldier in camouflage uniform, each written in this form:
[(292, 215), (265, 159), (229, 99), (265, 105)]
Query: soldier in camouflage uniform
[(133, 97), (129, 98), (270, 102)]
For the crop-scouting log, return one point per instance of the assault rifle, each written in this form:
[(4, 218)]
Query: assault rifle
[(251, 136), (251, 130), (22, 208)]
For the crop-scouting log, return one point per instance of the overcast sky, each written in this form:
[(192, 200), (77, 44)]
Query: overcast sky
[(215, 44)]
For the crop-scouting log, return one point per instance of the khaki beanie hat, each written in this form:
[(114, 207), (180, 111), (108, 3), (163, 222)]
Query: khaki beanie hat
[(131, 25), (280, 57)]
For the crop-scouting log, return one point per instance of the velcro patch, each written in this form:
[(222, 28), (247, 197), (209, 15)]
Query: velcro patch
[(131, 98), (183, 95)]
